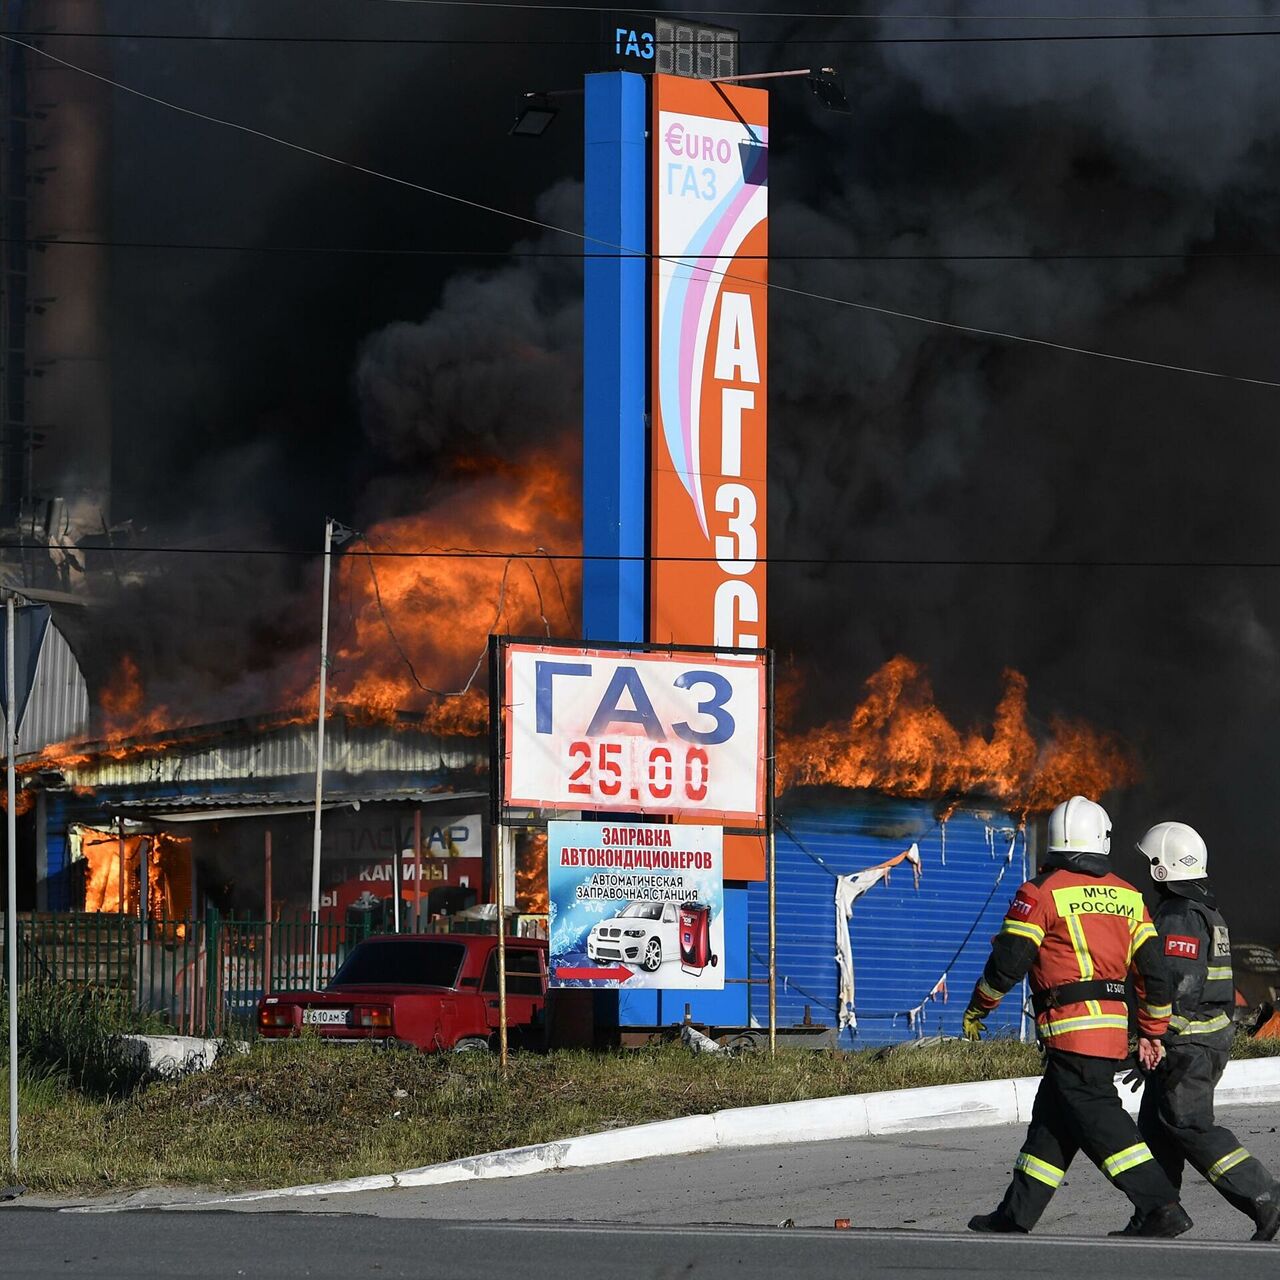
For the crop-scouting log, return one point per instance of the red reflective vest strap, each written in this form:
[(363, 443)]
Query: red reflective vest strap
[(1084, 927)]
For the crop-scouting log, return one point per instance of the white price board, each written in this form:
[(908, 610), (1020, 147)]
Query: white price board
[(635, 731)]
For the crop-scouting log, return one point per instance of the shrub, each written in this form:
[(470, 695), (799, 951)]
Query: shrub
[(75, 1035)]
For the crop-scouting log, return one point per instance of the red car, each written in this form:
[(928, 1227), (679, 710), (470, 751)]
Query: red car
[(434, 991)]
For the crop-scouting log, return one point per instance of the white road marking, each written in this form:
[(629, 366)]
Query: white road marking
[(919, 1237)]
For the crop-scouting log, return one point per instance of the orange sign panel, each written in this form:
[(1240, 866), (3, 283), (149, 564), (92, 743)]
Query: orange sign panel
[(709, 366)]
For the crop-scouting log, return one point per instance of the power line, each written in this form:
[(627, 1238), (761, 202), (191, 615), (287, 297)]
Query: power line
[(834, 17), (789, 42), (677, 260), (584, 254), (555, 557), (408, 662)]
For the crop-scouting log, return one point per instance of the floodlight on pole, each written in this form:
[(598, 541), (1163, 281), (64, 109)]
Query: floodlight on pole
[(534, 117), (825, 85), (537, 111), (823, 82)]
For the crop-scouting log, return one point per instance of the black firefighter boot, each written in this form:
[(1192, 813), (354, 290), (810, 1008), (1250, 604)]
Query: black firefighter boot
[(1130, 1228), (1267, 1217), (1164, 1223), (996, 1222)]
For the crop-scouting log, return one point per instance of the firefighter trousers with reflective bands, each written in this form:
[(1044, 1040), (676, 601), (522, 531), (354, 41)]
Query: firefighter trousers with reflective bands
[(1177, 1122), (1077, 1109)]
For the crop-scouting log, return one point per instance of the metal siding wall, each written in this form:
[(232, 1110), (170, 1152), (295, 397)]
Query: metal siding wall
[(57, 820), (58, 708), (903, 939)]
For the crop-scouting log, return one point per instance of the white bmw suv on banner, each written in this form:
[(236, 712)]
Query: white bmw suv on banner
[(643, 935)]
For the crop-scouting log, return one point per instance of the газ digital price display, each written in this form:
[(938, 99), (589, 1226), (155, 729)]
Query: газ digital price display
[(632, 731)]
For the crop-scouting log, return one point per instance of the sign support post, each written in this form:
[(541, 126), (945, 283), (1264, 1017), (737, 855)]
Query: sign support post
[(771, 775), (497, 694), (500, 866), (771, 871)]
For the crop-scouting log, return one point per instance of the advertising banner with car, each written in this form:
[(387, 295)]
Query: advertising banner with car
[(668, 733), (636, 905)]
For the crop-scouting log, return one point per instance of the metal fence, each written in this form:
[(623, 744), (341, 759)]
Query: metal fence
[(201, 977)]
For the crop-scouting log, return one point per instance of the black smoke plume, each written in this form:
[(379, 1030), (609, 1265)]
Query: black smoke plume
[(972, 502)]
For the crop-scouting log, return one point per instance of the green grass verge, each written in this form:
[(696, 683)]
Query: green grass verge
[(303, 1111), (72, 1036)]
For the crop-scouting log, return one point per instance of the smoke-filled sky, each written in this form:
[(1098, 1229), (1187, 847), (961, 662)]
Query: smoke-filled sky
[(255, 392)]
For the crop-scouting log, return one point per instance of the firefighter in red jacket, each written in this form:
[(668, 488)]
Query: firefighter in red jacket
[(1080, 931)]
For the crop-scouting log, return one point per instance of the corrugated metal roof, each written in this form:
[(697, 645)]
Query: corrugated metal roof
[(243, 753), (188, 807)]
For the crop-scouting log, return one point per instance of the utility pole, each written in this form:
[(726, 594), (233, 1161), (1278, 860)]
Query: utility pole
[(11, 906), (335, 534)]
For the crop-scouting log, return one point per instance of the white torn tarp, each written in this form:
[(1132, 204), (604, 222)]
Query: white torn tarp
[(848, 890), (937, 992)]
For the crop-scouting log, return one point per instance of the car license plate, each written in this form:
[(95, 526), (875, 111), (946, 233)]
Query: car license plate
[(326, 1017)]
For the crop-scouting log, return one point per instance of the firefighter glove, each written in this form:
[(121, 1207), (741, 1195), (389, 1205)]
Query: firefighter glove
[(974, 1023), (1135, 1077)]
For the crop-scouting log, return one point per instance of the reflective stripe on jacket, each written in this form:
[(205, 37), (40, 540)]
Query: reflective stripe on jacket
[(1196, 947), (1070, 925)]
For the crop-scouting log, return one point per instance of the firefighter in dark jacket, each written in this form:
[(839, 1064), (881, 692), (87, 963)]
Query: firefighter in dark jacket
[(1176, 1118), (1080, 931)]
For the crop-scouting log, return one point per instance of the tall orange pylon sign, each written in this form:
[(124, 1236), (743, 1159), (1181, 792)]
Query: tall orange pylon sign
[(710, 218)]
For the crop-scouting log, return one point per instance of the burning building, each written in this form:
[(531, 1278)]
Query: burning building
[(221, 816), (469, 449), (900, 840), (406, 752)]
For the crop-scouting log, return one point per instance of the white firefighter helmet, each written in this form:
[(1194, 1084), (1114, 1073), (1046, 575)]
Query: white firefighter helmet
[(1175, 851), (1079, 826)]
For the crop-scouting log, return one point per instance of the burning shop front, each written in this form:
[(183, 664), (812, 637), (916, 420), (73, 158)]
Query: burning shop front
[(900, 840), (931, 881), (221, 816)]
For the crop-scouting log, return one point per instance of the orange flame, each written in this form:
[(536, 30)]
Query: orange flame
[(417, 627), (24, 801), (123, 703), (531, 874), (897, 741), (108, 856), (409, 632)]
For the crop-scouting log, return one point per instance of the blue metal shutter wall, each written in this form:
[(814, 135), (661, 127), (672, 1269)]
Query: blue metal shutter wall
[(903, 938)]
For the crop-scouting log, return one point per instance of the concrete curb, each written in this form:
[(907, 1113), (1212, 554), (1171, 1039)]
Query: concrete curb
[(948, 1106)]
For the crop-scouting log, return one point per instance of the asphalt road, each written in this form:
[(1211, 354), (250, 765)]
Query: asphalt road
[(919, 1181), (703, 1215), (37, 1244)]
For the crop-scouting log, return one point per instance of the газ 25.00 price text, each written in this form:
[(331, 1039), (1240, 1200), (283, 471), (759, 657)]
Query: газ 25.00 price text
[(635, 731)]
